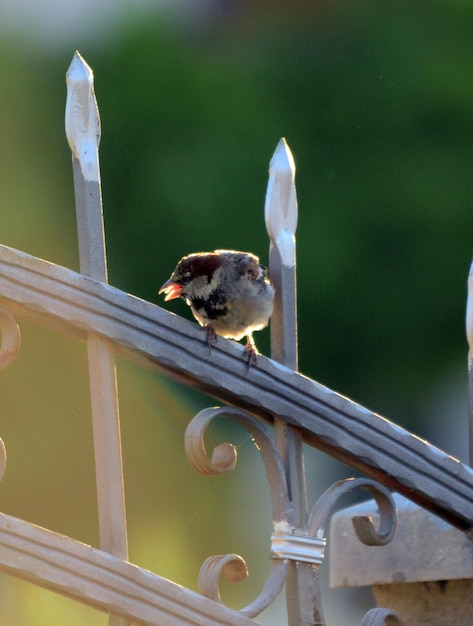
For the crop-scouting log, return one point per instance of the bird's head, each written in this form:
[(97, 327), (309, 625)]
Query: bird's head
[(199, 267)]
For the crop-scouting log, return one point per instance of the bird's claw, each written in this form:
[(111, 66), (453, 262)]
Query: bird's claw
[(211, 337), (250, 351)]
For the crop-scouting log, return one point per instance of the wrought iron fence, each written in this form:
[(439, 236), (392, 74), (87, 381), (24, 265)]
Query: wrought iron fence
[(279, 407)]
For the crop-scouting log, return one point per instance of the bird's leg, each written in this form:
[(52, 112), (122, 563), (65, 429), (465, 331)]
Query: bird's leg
[(250, 350), (211, 337)]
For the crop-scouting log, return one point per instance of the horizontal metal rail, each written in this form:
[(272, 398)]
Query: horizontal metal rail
[(68, 302)]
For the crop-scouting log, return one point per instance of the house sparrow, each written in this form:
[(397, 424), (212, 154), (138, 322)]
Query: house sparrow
[(228, 292)]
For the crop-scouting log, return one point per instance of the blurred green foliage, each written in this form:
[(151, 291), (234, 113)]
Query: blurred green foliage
[(375, 101)]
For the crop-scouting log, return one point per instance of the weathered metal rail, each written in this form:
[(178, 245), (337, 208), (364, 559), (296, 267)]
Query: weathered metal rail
[(71, 303), (103, 581)]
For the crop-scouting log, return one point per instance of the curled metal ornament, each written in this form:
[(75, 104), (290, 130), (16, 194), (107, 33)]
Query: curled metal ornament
[(381, 617), (363, 526), (235, 569), (10, 332), (232, 565), (287, 544), (224, 458)]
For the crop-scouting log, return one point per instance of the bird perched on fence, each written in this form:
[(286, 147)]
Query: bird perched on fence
[(229, 293)]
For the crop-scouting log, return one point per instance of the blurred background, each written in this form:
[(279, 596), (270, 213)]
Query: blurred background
[(375, 100)]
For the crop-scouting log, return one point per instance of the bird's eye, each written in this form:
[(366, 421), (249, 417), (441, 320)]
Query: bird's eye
[(186, 276)]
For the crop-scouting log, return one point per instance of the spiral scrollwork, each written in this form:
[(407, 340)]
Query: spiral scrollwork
[(363, 526), (364, 529), (235, 569), (224, 456), (223, 459), (10, 333), (232, 565)]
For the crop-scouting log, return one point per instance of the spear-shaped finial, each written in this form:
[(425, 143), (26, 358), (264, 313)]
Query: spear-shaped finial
[(281, 203), (82, 117), (281, 221), (83, 135)]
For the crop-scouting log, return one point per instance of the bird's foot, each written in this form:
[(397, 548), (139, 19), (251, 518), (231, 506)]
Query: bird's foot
[(250, 351), (211, 337)]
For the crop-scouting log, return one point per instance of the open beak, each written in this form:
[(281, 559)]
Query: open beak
[(171, 289)]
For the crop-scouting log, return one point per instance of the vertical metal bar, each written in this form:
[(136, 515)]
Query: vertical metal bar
[(470, 390), (83, 134), (469, 334), (281, 223)]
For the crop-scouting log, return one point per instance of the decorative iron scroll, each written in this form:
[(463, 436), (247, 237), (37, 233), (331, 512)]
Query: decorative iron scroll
[(363, 526), (224, 460), (287, 543)]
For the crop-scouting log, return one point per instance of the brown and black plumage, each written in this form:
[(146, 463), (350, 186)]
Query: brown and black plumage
[(229, 293)]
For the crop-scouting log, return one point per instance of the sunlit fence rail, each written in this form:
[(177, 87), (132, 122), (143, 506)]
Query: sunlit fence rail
[(280, 408)]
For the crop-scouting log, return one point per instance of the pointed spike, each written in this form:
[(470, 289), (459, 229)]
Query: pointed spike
[(281, 203), (82, 117), (282, 158)]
